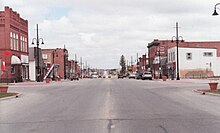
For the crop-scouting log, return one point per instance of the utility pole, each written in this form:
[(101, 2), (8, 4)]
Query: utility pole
[(39, 76), (64, 50), (81, 67), (75, 64)]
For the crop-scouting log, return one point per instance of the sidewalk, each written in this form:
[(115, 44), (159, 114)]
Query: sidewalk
[(184, 80), (34, 83)]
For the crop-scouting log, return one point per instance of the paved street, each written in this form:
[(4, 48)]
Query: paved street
[(111, 106)]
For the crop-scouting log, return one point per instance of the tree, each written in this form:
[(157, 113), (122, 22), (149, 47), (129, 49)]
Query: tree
[(122, 64)]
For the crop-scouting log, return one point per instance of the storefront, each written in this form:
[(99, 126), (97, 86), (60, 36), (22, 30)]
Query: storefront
[(24, 67)]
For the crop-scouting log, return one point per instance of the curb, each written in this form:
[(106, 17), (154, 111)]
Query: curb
[(15, 96), (202, 92)]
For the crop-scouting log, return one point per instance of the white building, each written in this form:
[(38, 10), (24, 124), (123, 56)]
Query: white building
[(194, 62)]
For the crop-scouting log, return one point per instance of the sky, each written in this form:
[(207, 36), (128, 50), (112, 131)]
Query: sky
[(100, 31)]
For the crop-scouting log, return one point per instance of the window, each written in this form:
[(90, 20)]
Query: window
[(44, 56), (17, 42), (169, 57), (12, 69), (189, 56), (21, 43), (208, 54), (26, 46), (11, 40)]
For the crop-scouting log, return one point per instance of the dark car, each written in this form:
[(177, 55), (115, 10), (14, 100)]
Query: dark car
[(120, 76), (139, 76), (74, 77)]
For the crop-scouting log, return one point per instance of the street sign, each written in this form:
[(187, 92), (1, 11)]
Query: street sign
[(7, 53)]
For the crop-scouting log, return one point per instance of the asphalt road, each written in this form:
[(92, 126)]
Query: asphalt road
[(111, 106)]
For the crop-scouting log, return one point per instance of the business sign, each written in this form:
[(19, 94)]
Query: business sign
[(7, 53), (24, 59)]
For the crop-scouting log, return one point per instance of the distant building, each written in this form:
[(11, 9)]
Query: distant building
[(73, 68), (142, 64), (13, 46), (59, 57)]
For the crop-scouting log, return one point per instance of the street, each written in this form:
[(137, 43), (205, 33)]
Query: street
[(111, 106)]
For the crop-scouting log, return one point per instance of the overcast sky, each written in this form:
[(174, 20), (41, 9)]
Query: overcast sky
[(100, 31)]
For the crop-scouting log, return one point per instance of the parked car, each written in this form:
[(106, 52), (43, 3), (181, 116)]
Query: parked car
[(94, 76), (147, 75), (120, 76), (132, 76), (139, 76), (74, 77)]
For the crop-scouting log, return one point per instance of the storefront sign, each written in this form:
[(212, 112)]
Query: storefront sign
[(24, 59)]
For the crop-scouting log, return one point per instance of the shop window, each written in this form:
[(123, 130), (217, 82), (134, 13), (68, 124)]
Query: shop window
[(12, 69)]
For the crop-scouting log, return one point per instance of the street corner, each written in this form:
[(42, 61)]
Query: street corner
[(11, 96), (26, 84), (208, 92)]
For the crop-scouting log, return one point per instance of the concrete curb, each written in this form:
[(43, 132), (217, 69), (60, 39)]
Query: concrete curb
[(15, 96), (202, 92)]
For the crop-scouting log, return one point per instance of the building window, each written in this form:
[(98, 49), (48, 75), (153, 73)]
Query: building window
[(169, 57), (17, 48), (44, 56), (208, 54), (189, 56), (11, 40), (14, 41), (21, 43), (26, 46), (172, 58), (12, 69)]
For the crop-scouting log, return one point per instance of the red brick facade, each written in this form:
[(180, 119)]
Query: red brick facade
[(13, 38), (73, 67), (57, 56)]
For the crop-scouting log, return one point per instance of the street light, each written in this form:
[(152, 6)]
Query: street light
[(160, 64), (37, 40), (178, 38), (65, 62), (215, 12)]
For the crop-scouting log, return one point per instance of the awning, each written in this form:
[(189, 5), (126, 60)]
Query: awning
[(15, 60)]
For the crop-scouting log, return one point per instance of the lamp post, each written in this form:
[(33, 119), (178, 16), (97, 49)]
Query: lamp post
[(215, 12), (160, 76), (38, 58), (178, 38), (53, 64), (65, 62)]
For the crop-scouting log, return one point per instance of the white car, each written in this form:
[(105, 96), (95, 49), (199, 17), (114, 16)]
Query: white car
[(94, 76), (147, 75), (132, 76)]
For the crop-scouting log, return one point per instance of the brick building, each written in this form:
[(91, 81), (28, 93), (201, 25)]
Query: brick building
[(142, 64), (73, 67), (58, 57), (14, 41), (158, 53)]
